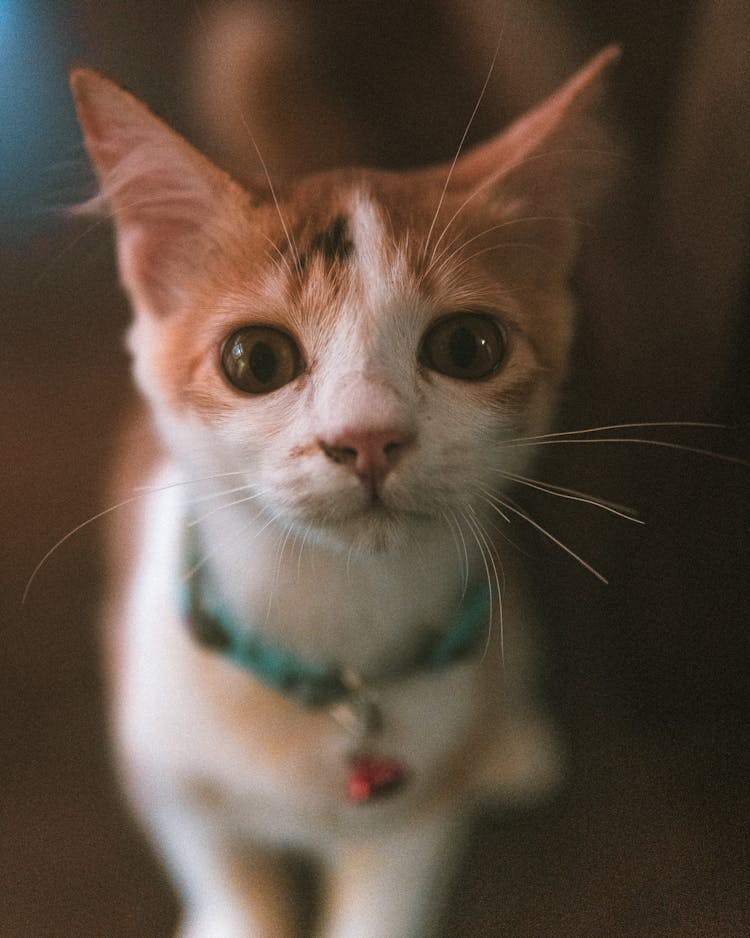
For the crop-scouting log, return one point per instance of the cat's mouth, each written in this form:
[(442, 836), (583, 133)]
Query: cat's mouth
[(374, 512), (379, 526), (375, 524), (376, 505), (380, 507)]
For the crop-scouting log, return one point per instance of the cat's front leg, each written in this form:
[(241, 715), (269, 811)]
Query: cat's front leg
[(394, 885), (228, 889)]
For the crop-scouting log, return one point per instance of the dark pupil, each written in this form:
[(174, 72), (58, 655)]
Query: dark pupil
[(463, 347), (262, 361)]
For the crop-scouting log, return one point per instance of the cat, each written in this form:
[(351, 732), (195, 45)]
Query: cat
[(319, 644)]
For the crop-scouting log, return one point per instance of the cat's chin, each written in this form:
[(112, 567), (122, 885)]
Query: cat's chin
[(376, 530)]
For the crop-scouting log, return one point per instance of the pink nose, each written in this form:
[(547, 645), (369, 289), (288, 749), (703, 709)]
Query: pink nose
[(370, 454)]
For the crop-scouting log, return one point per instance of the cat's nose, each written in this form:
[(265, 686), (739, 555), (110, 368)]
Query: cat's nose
[(370, 454)]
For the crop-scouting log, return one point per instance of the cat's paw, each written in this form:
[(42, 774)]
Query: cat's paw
[(215, 925)]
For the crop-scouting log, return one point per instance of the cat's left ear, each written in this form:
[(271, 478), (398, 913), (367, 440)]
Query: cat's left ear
[(549, 169), (169, 203)]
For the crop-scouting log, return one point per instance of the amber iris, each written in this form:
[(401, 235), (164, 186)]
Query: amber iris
[(260, 359), (467, 346)]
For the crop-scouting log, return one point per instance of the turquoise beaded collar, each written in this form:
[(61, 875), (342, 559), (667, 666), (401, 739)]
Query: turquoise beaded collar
[(314, 684)]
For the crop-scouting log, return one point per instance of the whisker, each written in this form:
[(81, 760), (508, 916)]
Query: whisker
[(461, 549), (305, 536), (548, 534), (493, 547), (506, 170), (288, 529), (112, 214), (287, 233), (508, 540), (445, 258), (656, 425), (507, 245), (141, 492), (664, 444), (199, 564), (267, 175), (497, 509), (147, 489), (66, 537), (281, 256), (349, 563), (462, 141), (199, 499), (487, 551), (474, 534), (192, 571), (561, 491), (236, 501)]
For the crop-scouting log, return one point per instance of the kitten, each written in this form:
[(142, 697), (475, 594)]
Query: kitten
[(316, 650)]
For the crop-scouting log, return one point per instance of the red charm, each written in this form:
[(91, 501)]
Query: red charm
[(373, 777)]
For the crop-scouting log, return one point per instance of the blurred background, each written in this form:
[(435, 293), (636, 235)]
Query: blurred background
[(650, 674)]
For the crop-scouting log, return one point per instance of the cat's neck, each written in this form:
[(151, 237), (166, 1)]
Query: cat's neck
[(321, 599)]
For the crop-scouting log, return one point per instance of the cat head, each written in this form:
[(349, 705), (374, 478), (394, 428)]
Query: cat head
[(359, 343)]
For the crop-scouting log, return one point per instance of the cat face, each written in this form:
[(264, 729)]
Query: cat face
[(359, 345), (359, 386)]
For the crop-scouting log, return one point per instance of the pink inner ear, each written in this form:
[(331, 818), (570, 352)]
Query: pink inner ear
[(163, 194), (546, 172), (162, 216), (567, 123)]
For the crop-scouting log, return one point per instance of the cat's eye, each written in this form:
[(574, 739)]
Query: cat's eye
[(467, 346), (260, 359)]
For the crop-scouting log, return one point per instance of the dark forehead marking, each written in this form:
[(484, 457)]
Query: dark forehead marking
[(334, 243)]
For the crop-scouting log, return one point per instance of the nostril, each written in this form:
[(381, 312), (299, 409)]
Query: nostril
[(339, 454), (390, 450)]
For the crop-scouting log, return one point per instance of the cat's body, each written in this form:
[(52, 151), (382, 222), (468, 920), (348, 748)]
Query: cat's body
[(336, 371), (203, 744)]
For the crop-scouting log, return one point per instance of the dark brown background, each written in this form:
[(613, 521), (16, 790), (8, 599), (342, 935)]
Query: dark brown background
[(649, 838)]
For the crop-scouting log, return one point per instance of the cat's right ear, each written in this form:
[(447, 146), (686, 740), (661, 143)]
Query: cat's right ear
[(544, 175), (168, 202)]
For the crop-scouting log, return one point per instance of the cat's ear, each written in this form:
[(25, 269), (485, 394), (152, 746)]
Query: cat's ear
[(167, 200), (548, 170)]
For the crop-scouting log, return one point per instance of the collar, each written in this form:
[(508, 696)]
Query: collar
[(315, 684)]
